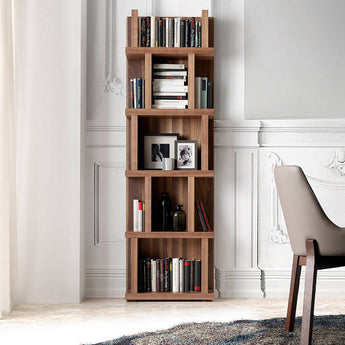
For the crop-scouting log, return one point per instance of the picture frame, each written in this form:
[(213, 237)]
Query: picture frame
[(158, 146), (186, 154)]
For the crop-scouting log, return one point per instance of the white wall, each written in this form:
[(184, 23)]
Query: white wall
[(48, 108)]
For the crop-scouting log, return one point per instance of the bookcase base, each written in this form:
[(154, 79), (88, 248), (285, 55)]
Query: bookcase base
[(169, 296)]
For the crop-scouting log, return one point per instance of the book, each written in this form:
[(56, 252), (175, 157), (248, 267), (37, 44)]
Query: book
[(170, 276), (153, 32), (169, 66), (191, 284), (173, 82), (187, 35), (148, 274), (171, 32), (143, 216), (153, 275), (209, 94), (158, 275), (172, 73), (138, 93), (197, 92), (200, 215), (203, 93), (183, 33), (148, 31), (144, 276), (187, 275), (169, 77), (205, 216), (160, 32), (175, 275), (140, 275), (168, 106), (135, 92), (135, 215), (171, 101), (140, 216), (181, 273), (166, 274), (164, 32), (161, 275), (143, 32), (132, 92), (197, 276), (192, 32), (156, 33), (174, 97), (158, 94)]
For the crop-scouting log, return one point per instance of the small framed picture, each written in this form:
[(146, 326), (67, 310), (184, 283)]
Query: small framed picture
[(157, 147), (186, 154)]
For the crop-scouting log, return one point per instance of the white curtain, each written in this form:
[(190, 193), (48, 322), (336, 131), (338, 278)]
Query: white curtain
[(7, 153)]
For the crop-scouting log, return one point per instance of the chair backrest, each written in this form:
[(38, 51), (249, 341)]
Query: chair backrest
[(304, 216)]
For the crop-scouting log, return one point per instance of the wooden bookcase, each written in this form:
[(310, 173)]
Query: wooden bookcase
[(184, 186)]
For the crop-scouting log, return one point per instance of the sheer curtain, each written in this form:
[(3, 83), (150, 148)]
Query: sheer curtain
[(7, 153)]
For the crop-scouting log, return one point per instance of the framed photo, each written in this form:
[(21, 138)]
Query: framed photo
[(186, 154), (157, 147)]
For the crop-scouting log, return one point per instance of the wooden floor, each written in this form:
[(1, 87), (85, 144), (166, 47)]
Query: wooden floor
[(103, 319)]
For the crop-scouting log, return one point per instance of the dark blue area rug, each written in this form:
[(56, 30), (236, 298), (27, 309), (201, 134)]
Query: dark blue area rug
[(327, 330)]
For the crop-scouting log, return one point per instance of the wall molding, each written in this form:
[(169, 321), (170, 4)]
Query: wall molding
[(98, 200), (98, 136)]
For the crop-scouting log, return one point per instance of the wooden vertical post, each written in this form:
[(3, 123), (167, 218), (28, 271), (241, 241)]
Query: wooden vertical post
[(134, 28), (204, 28), (204, 265), (190, 215), (204, 142), (191, 81), (134, 143), (148, 203), (134, 265), (148, 80)]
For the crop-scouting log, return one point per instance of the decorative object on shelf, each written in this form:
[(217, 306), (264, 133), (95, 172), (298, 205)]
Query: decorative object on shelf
[(187, 155), (168, 163), (165, 208), (157, 147), (179, 219)]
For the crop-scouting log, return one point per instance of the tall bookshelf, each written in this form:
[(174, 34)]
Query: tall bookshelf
[(184, 186)]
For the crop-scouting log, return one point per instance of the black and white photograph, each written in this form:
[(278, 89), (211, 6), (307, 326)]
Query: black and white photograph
[(157, 147), (187, 155)]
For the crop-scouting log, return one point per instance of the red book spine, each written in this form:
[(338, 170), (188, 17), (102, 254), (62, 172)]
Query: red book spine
[(205, 217)]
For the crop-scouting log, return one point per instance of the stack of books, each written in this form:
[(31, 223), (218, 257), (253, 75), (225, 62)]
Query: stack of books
[(169, 275), (137, 93), (203, 93), (169, 89), (202, 216), (169, 32), (138, 216)]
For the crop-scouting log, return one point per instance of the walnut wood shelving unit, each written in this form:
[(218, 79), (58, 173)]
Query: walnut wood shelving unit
[(184, 186)]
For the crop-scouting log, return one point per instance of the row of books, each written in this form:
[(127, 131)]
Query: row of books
[(169, 275), (202, 216), (169, 32), (137, 93), (169, 86), (138, 216), (203, 93)]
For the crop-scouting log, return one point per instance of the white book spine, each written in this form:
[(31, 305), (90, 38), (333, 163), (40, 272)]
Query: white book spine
[(168, 106), (171, 101), (153, 31), (175, 32), (170, 73), (135, 215), (135, 92), (168, 82), (171, 88), (181, 263), (167, 32), (178, 32), (176, 275), (168, 66), (153, 275)]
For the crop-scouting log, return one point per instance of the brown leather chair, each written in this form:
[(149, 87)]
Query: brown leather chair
[(316, 242)]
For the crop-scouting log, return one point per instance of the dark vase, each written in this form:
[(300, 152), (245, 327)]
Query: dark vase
[(178, 219), (165, 212)]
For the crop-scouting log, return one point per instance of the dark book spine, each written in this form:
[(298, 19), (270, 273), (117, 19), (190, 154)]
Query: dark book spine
[(160, 32), (205, 216), (170, 275), (191, 284), (200, 35), (158, 268), (148, 280), (170, 97), (183, 33), (209, 94), (143, 32), (148, 31), (187, 275), (161, 276), (201, 217), (192, 32), (171, 32), (166, 275), (144, 275), (138, 93), (164, 32), (140, 275), (169, 77), (197, 276), (187, 36), (139, 32), (157, 33)]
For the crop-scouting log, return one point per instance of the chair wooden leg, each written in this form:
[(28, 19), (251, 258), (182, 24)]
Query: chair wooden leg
[(294, 286), (309, 294)]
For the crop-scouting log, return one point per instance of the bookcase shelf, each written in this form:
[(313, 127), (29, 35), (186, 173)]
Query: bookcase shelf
[(184, 186)]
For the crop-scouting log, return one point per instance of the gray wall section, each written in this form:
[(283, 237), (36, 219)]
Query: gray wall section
[(294, 59)]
